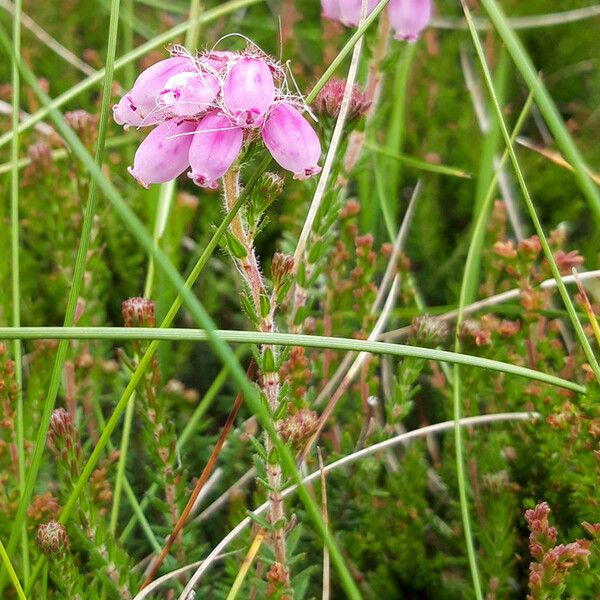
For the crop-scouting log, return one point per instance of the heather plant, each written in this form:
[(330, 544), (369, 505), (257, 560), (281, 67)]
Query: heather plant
[(302, 303)]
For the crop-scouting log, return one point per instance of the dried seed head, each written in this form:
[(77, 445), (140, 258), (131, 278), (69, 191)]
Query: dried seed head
[(138, 312), (52, 538)]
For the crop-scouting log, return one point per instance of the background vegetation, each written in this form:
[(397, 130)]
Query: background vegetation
[(395, 514)]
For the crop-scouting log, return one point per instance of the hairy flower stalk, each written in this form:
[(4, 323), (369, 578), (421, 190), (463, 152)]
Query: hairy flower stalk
[(264, 305)]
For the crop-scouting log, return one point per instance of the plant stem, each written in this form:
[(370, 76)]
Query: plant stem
[(248, 267)]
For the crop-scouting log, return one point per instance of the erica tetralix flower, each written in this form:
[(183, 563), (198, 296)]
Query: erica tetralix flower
[(209, 106), (163, 155), (139, 106), (408, 18), (249, 91), (215, 145), (291, 141)]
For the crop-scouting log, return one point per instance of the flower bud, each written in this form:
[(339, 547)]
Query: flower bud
[(188, 94), (163, 155), (297, 428), (139, 106), (52, 538), (329, 99), (138, 312), (408, 18), (216, 145), (291, 141), (249, 91)]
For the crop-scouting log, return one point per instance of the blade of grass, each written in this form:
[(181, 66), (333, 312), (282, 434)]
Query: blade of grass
[(587, 305), (11, 572), (77, 279), (416, 163), (283, 339), (200, 315), (468, 289), (545, 103), (246, 564), (16, 276), (161, 40), (589, 353)]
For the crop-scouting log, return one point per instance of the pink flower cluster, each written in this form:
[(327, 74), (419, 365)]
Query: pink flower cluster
[(206, 107), (407, 17)]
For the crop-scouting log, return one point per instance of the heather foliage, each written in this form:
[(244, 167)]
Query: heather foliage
[(390, 293)]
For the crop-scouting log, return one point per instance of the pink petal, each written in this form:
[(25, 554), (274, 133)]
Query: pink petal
[(331, 9), (346, 11), (188, 94), (216, 144), (409, 17), (162, 157), (249, 91), (139, 105), (291, 141)]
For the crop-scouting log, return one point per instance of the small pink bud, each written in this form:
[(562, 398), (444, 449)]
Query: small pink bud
[(291, 141), (409, 17), (249, 91), (215, 146), (161, 156), (188, 94), (139, 106)]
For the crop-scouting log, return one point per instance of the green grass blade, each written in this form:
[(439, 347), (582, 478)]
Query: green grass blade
[(416, 163), (483, 203), (545, 103), (11, 572), (16, 276), (284, 339)]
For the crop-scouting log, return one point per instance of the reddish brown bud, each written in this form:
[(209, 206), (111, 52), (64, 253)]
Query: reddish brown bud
[(52, 538), (138, 312), (298, 427), (281, 267), (329, 99)]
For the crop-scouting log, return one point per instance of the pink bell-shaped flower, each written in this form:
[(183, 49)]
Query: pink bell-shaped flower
[(249, 91), (291, 141), (215, 146), (139, 106), (408, 18), (188, 94), (163, 155), (346, 11), (332, 9)]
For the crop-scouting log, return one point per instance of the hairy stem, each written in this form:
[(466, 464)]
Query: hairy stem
[(250, 271)]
